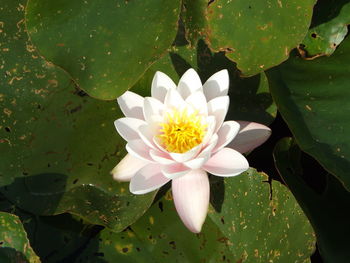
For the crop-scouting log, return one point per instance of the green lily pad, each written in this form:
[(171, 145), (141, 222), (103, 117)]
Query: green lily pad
[(257, 35), (243, 225), (59, 139), (13, 237), (106, 47), (327, 210), (313, 98), (323, 38), (250, 99), (260, 225)]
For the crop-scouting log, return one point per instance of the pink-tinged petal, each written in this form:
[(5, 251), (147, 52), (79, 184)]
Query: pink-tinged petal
[(211, 124), (139, 149), (226, 133), (189, 83), (175, 170), (204, 155), (217, 85), (190, 154), (191, 197), (173, 100), (127, 168), (152, 107), (146, 134), (161, 157), (218, 107), (250, 136), (161, 83), (226, 162), (131, 105), (147, 179), (198, 102), (128, 128)]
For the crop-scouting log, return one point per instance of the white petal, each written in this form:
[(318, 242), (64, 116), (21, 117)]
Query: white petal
[(217, 85), (218, 107), (146, 134), (152, 107), (226, 162), (198, 102), (173, 100), (210, 129), (175, 170), (127, 168), (226, 133), (189, 83), (147, 179), (250, 136), (204, 156), (161, 83), (131, 105), (161, 157), (128, 128), (139, 149), (191, 197), (190, 154)]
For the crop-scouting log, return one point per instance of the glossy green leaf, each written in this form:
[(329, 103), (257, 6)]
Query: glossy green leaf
[(260, 225), (325, 36), (249, 97), (61, 140), (313, 98), (106, 46), (13, 235), (243, 225), (327, 211), (257, 35)]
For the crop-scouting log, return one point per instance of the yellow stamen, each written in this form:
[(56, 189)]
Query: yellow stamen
[(181, 131)]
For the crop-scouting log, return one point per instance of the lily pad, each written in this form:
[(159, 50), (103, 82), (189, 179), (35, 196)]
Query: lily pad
[(313, 98), (59, 139), (257, 35), (14, 241), (324, 37), (105, 47), (327, 210)]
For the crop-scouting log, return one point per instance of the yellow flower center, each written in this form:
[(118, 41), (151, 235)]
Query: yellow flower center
[(181, 131)]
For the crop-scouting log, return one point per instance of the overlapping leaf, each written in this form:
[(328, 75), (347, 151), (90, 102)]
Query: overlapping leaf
[(326, 210), (313, 98), (105, 45)]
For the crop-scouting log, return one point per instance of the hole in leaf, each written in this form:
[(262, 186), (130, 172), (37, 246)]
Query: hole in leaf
[(314, 35)]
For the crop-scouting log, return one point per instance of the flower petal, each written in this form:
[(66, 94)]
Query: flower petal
[(204, 156), (146, 133), (189, 83), (161, 83), (152, 107), (226, 162), (190, 154), (198, 102), (226, 133), (127, 168), (131, 105), (139, 149), (191, 197), (173, 100), (218, 107), (128, 128), (250, 136), (147, 179), (161, 157), (217, 85), (175, 170)]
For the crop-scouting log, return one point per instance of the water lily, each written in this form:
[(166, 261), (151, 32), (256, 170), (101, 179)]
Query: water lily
[(179, 134)]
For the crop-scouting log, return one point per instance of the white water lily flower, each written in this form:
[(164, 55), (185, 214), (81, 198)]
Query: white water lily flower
[(179, 134)]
